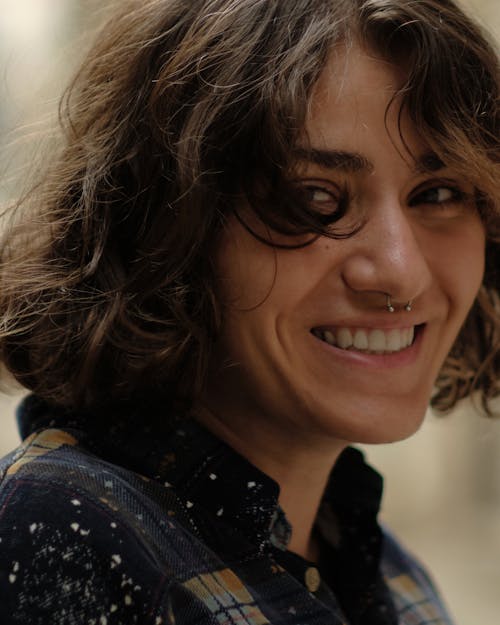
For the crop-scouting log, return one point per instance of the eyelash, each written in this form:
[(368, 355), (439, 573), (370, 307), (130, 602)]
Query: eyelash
[(456, 196)]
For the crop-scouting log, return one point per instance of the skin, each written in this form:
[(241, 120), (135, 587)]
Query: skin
[(282, 397)]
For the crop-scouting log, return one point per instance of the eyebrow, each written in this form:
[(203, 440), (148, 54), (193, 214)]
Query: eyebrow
[(335, 159), (353, 162)]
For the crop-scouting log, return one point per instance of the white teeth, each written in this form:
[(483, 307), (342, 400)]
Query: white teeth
[(411, 335), (376, 341), (360, 340), (344, 338), (395, 339), (328, 337), (372, 341)]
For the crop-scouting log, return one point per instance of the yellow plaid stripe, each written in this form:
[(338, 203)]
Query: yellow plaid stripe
[(38, 445), (406, 591), (226, 597)]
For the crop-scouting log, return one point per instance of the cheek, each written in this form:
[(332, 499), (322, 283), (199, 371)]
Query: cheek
[(252, 274), (245, 269), (461, 262)]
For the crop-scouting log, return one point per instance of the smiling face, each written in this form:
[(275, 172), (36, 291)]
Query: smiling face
[(309, 350)]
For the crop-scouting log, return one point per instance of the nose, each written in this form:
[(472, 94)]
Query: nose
[(388, 255)]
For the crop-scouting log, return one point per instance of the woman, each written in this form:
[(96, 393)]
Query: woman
[(271, 231)]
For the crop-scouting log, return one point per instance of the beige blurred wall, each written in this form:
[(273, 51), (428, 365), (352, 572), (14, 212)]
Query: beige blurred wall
[(442, 486)]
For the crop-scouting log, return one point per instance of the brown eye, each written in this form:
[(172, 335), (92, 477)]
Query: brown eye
[(321, 200), (439, 195)]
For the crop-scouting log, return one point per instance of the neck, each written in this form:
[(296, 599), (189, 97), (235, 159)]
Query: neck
[(300, 467), (300, 497)]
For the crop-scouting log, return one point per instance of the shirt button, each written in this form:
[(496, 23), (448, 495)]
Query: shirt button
[(312, 579)]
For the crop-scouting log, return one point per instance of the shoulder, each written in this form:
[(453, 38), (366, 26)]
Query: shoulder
[(82, 539), (414, 592)]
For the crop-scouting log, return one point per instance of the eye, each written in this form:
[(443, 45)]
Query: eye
[(442, 196), (321, 202), (319, 195), (321, 199)]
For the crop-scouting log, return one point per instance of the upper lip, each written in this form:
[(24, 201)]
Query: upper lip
[(394, 322)]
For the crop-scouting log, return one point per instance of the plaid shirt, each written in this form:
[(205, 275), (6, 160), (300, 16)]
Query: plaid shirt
[(156, 525)]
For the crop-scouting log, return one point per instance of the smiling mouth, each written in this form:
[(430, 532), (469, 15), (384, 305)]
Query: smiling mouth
[(368, 341)]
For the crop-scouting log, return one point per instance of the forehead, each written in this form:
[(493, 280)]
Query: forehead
[(353, 82), (356, 105)]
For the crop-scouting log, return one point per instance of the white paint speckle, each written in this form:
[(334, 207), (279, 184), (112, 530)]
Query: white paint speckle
[(75, 527), (220, 511), (115, 560), (12, 578), (128, 600), (213, 476), (103, 620), (113, 608), (251, 484), (76, 502), (167, 484), (159, 620), (189, 504), (84, 532), (113, 525), (33, 527), (108, 484), (15, 567)]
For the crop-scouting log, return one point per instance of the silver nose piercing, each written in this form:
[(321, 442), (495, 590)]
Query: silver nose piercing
[(390, 307)]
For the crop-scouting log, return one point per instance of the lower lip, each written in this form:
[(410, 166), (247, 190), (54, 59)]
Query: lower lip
[(402, 358)]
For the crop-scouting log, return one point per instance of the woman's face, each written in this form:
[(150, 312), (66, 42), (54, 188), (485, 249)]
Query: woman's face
[(308, 347)]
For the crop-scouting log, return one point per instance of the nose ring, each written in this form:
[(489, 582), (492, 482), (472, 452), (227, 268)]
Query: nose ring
[(390, 307)]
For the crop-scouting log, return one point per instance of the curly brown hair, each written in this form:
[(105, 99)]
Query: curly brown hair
[(107, 287)]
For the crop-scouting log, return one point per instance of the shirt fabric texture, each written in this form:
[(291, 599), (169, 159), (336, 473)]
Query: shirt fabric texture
[(132, 520)]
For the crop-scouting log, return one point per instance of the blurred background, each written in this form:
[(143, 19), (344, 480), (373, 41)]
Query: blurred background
[(442, 493)]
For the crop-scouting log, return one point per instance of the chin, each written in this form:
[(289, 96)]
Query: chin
[(384, 438), (392, 429), (372, 425)]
